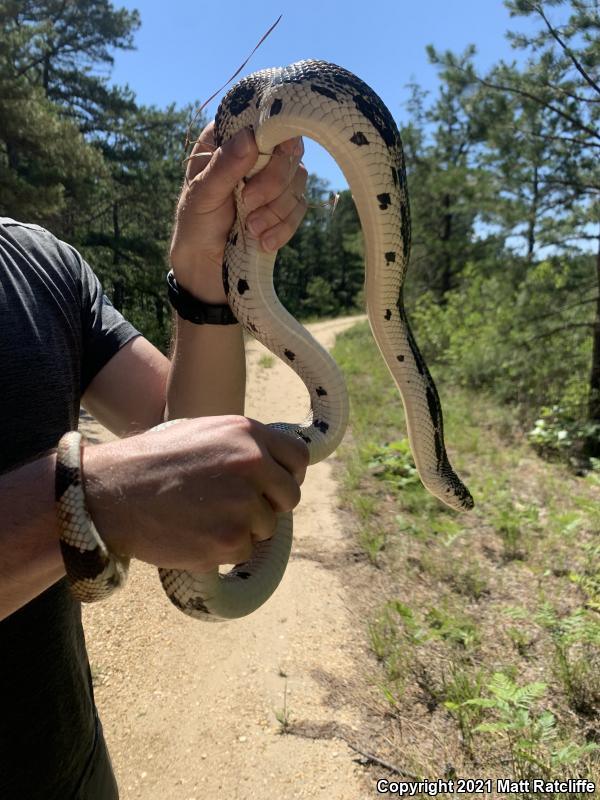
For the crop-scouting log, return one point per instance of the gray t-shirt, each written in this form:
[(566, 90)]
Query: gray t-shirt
[(57, 330)]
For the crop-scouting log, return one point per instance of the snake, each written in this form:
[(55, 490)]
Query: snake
[(339, 111)]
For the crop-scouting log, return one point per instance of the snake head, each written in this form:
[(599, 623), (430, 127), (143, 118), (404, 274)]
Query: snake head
[(463, 497)]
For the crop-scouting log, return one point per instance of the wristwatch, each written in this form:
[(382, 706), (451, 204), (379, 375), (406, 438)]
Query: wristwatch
[(197, 311)]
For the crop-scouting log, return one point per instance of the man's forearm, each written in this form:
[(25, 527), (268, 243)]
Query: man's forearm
[(208, 371), (30, 559)]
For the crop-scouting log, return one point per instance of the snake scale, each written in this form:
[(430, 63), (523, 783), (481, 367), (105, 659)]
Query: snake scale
[(338, 110)]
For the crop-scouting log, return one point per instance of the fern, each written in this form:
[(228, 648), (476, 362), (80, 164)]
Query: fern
[(530, 736)]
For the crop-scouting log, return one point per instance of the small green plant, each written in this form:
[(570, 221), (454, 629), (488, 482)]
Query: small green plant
[(461, 687), (522, 641), (97, 674), (282, 715), (371, 535), (392, 462), (393, 634), (531, 736), (372, 539), (513, 523), (576, 640), (578, 627), (470, 582), (588, 578), (266, 361), (364, 505), (578, 670), (467, 580), (558, 432), (456, 628)]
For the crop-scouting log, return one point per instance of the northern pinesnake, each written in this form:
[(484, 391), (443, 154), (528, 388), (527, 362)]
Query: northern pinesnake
[(338, 110)]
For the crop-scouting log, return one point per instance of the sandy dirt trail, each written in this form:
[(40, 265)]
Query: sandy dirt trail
[(190, 710)]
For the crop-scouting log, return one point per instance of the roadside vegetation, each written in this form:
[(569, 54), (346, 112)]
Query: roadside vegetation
[(488, 636)]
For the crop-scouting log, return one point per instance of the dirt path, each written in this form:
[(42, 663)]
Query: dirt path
[(195, 711)]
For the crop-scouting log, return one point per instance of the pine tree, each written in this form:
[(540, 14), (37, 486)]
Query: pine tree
[(561, 78), (447, 189)]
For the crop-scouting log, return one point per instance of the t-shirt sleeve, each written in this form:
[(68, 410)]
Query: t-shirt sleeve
[(104, 329)]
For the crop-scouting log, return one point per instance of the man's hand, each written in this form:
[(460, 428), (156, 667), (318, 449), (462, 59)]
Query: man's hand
[(273, 199), (195, 494)]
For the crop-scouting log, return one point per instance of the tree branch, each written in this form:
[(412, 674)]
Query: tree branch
[(577, 124), (568, 51), (561, 329), (571, 95), (568, 139), (564, 308), (376, 760)]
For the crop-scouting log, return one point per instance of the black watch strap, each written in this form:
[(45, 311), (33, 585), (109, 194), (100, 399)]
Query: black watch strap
[(193, 310)]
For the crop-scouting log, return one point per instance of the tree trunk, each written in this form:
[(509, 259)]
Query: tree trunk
[(592, 445), (446, 276), (46, 74), (533, 211), (119, 287)]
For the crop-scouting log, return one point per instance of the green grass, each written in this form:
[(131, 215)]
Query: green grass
[(490, 623), (266, 361)]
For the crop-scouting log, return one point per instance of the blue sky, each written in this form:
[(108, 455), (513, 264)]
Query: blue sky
[(186, 50)]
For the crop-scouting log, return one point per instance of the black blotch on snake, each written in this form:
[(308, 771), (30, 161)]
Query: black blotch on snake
[(195, 603), (379, 117), (405, 228), (359, 139), (324, 91), (276, 107), (177, 602), (225, 276), (82, 563), (241, 100), (384, 200), (65, 478)]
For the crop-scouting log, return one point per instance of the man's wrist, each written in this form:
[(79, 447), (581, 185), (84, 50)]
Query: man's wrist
[(195, 310), (205, 291), (205, 282), (106, 500)]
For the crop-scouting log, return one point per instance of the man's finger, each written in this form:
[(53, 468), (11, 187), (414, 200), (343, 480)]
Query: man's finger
[(291, 453), (267, 185), (279, 235), (202, 151), (280, 209), (228, 165)]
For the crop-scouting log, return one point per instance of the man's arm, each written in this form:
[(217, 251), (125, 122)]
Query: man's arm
[(142, 486), (30, 559), (206, 377)]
